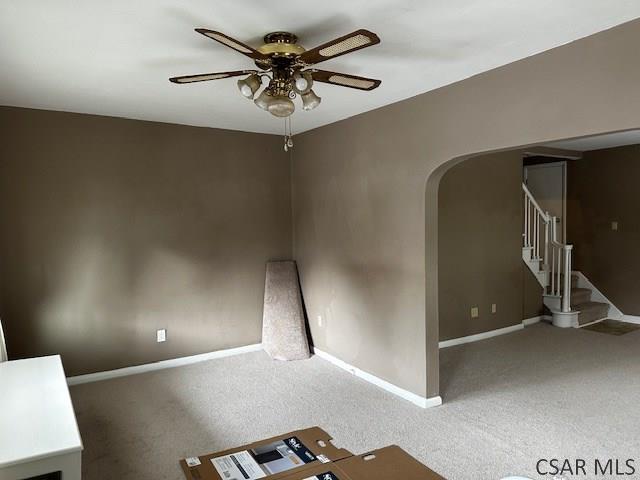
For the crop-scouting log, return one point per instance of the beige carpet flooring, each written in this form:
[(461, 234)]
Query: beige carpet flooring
[(510, 400)]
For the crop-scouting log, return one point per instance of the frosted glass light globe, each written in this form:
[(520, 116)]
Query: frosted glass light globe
[(281, 106)]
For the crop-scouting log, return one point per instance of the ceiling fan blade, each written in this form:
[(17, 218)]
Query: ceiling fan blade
[(340, 46), (232, 43), (203, 77), (344, 80)]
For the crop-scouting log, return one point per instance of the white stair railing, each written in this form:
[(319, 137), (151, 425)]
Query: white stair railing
[(540, 236), (560, 284), (534, 235)]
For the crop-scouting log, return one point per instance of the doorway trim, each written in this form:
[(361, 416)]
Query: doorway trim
[(563, 164)]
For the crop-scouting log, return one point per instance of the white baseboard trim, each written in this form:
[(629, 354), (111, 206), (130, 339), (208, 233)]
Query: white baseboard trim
[(481, 336), (530, 321), (493, 333), (3, 346), (149, 367), (378, 382)]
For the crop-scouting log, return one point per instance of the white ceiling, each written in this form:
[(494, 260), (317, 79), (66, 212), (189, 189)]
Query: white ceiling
[(114, 57), (599, 142)]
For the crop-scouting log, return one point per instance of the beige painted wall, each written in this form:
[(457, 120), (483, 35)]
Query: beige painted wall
[(480, 238), (480, 247), (365, 227), (533, 305), (602, 188), (112, 228)]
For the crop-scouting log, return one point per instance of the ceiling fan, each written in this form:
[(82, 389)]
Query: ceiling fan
[(286, 69)]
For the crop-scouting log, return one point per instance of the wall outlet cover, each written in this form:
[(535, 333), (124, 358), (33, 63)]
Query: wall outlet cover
[(614, 225), (494, 308), (475, 312), (161, 335), (319, 320)]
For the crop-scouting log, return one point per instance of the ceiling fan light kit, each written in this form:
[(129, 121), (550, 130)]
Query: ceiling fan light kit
[(287, 69)]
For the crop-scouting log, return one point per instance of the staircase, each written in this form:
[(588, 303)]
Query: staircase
[(549, 260)]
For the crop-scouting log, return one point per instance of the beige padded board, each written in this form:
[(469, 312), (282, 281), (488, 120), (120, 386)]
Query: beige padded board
[(284, 333)]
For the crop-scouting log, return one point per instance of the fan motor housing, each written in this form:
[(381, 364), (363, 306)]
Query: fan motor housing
[(281, 43)]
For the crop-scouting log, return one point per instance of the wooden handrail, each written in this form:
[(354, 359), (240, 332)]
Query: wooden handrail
[(535, 204)]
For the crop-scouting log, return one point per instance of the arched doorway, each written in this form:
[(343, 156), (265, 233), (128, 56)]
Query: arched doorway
[(432, 252)]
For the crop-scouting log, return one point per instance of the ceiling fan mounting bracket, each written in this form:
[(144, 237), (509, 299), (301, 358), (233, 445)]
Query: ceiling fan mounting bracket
[(280, 37)]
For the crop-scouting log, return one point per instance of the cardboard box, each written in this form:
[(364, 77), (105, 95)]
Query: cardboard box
[(271, 459), (389, 463)]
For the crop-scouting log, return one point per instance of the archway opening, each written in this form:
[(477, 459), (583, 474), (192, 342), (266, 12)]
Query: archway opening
[(478, 283)]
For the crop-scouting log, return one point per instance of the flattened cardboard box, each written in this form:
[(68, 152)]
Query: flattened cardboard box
[(389, 463), (271, 459)]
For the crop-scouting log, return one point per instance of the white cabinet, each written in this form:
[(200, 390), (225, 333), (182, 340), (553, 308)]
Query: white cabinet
[(38, 429)]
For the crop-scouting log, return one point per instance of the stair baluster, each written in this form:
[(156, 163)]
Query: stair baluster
[(566, 296)]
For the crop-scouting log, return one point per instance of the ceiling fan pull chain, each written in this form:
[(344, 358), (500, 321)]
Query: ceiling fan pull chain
[(288, 135), (290, 141), (286, 148)]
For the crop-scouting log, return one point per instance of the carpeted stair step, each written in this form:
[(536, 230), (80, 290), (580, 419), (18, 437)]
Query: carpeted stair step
[(591, 311), (580, 295)]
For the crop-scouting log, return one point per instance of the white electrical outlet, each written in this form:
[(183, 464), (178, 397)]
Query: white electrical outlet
[(319, 320), (494, 308), (614, 225), (161, 335), (475, 312)]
